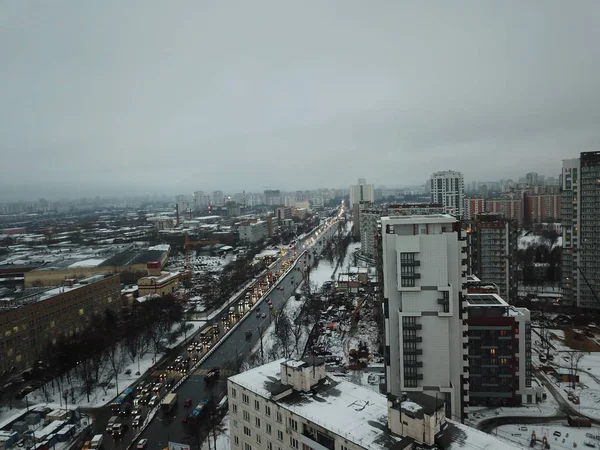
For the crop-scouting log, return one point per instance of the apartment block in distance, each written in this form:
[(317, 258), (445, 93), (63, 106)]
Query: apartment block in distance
[(580, 198), (38, 317), (448, 188), (492, 252), (499, 352), (424, 271), (253, 232), (472, 207)]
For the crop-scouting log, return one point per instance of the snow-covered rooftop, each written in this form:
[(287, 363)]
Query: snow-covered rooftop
[(351, 411)]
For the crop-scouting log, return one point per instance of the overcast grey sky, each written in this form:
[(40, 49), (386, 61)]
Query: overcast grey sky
[(173, 96)]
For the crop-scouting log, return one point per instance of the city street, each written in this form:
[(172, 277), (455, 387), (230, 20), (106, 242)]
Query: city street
[(230, 352)]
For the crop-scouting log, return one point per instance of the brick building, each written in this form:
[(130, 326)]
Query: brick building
[(28, 323)]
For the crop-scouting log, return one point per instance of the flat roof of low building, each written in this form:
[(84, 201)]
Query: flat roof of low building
[(419, 219), (485, 300), (351, 411)]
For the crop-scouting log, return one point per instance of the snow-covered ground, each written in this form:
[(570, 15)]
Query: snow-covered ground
[(101, 395), (566, 438), (588, 388), (222, 437)]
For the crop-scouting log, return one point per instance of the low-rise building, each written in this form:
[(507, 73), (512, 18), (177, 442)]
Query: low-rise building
[(253, 232), (294, 404), (158, 282), (39, 316), (499, 352), (283, 212)]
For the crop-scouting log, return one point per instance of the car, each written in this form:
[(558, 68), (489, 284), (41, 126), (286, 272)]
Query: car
[(142, 443), (136, 412), (153, 401), (157, 387), (187, 403), (137, 421), (264, 315), (257, 314), (270, 306)]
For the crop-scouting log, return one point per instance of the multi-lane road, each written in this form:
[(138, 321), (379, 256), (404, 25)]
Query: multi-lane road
[(232, 349)]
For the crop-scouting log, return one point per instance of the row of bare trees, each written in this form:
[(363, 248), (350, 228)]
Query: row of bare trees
[(97, 356)]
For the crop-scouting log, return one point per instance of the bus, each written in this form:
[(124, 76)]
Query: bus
[(122, 399), (206, 336)]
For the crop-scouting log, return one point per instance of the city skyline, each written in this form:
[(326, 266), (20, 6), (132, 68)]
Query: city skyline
[(94, 101)]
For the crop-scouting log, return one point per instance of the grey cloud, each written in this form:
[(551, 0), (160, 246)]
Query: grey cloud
[(238, 95)]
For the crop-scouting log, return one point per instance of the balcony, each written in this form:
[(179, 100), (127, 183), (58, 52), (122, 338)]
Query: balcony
[(316, 440), (415, 376), (413, 363), (412, 326), (413, 338), (414, 351), (410, 263)]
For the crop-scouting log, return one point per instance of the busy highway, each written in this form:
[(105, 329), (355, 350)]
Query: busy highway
[(254, 309)]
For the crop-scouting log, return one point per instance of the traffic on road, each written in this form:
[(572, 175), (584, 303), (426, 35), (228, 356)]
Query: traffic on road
[(177, 420)]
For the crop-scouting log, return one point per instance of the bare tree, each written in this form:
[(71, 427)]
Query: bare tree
[(575, 357), (282, 331), (297, 331), (262, 346), (116, 359)]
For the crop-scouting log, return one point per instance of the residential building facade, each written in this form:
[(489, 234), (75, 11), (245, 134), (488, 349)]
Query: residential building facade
[(448, 188), (362, 197), (253, 232), (499, 352), (511, 208), (29, 323), (424, 268), (492, 252), (473, 206), (580, 198), (293, 404)]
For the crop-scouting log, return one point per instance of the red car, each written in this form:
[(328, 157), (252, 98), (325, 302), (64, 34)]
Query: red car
[(187, 403)]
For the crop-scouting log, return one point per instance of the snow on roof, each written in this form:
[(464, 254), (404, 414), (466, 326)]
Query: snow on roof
[(92, 262), (161, 247), (351, 411), (458, 436), (411, 406)]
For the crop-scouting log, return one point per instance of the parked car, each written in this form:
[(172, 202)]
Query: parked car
[(142, 443)]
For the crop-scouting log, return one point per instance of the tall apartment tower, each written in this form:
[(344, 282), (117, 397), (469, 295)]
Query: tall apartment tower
[(218, 198), (362, 196), (580, 197), (199, 200), (424, 273), (492, 242), (448, 188)]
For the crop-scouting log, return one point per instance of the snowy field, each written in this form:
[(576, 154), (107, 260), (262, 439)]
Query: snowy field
[(588, 388), (559, 435), (101, 395)]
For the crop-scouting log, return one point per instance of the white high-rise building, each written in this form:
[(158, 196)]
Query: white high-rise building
[(362, 193), (199, 200), (424, 271), (218, 198), (448, 188)]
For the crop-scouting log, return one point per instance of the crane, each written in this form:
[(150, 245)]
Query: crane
[(188, 244)]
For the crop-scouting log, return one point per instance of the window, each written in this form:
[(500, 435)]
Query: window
[(247, 446), (268, 428), (236, 440), (293, 442), (246, 415), (269, 446), (234, 408), (233, 393), (258, 438), (247, 431), (279, 418), (246, 399), (268, 410), (257, 422), (280, 435), (235, 423), (293, 424), (257, 405)]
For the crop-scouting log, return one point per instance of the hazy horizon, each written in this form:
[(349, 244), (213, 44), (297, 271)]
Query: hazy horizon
[(109, 97)]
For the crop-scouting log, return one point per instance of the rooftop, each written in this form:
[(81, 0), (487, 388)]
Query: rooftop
[(351, 411), (485, 300), (419, 219)]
